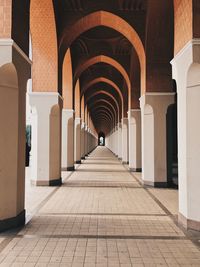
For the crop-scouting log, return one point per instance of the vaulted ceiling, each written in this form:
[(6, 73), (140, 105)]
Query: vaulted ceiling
[(99, 76)]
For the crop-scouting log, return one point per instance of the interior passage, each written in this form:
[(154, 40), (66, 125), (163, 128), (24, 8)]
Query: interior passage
[(102, 216)]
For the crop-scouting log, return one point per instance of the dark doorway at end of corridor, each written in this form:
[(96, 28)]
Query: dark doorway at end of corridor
[(101, 139)]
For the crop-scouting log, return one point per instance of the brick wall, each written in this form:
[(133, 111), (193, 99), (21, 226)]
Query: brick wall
[(183, 23), (67, 82), (44, 43), (5, 18)]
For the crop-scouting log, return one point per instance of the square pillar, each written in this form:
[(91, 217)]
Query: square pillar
[(125, 140), (116, 140), (77, 143), (86, 140), (134, 121), (15, 70), (119, 140), (154, 162), (186, 72), (83, 140), (68, 139), (46, 138)]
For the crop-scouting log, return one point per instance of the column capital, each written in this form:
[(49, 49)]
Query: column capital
[(8, 46), (78, 121), (68, 112), (182, 62), (44, 101), (133, 112), (157, 100)]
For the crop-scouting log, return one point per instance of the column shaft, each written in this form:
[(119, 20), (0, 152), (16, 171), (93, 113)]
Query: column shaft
[(186, 69), (77, 144), (119, 137), (125, 140), (15, 70), (134, 118), (46, 138), (154, 163), (68, 139)]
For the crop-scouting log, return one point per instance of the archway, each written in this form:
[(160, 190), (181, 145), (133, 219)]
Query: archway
[(110, 20), (110, 83)]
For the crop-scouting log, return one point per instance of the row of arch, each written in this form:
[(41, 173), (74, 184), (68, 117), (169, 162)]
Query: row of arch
[(55, 65)]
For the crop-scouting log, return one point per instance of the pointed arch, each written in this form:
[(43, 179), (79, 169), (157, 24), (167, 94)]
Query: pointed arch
[(110, 20)]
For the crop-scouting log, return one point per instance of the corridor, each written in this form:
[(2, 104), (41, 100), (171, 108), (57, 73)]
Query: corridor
[(102, 216)]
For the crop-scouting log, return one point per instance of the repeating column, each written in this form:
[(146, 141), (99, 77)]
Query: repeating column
[(68, 139), (125, 140), (134, 120), (77, 144), (153, 112), (186, 70), (15, 70), (46, 138)]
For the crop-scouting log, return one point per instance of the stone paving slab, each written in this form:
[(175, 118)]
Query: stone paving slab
[(35, 195), (99, 252), (101, 200), (102, 225), (101, 217), (168, 197)]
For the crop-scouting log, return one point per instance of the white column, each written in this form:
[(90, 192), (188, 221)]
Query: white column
[(86, 139), (186, 71), (116, 141), (90, 141), (46, 138), (125, 140), (77, 143), (15, 70), (83, 140), (119, 137), (153, 112), (68, 139), (134, 120)]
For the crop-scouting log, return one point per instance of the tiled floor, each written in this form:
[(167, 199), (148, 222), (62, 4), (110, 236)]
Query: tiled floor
[(101, 216)]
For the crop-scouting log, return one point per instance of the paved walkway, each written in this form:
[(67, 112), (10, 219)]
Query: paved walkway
[(101, 216)]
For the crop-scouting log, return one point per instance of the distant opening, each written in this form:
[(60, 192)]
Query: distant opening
[(172, 144), (101, 141)]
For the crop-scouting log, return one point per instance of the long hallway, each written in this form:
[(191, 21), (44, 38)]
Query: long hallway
[(102, 216)]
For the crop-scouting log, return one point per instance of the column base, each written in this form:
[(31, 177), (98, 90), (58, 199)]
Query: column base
[(188, 223), (135, 169), (14, 222), (156, 184), (56, 182), (78, 162), (70, 169)]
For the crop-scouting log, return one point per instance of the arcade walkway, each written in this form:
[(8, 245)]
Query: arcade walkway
[(102, 216)]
